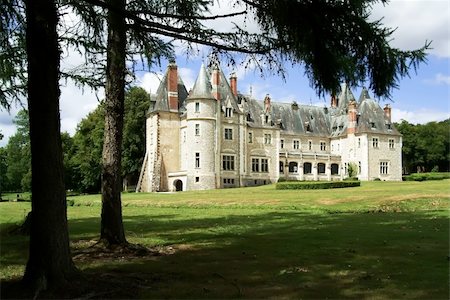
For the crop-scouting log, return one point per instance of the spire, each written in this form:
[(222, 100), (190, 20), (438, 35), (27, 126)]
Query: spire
[(202, 86), (364, 95)]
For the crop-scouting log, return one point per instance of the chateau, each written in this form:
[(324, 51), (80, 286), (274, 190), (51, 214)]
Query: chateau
[(215, 137)]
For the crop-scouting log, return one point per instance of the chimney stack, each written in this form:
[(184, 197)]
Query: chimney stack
[(267, 104), (351, 128), (334, 101), (233, 83), (215, 78), (172, 86), (387, 112)]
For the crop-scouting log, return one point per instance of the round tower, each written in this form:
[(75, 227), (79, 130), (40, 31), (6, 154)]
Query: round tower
[(201, 107)]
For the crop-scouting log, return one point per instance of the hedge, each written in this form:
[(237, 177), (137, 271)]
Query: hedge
[(315, 185), (426, 176)]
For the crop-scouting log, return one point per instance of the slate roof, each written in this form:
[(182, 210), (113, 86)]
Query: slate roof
[(202, 88), (160, 101)]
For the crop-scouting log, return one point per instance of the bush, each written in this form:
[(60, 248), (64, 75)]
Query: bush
[(351, 179), (426, 176), (315, 185)]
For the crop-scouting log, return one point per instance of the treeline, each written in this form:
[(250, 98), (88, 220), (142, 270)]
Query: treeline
[(426, 147), (83, 151)]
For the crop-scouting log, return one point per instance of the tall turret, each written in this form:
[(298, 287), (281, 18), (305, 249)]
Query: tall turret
[(201, 109)]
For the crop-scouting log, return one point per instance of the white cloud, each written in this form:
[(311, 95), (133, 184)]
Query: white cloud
[(420, 116), (150, 81), (417, 21), (438, 79)]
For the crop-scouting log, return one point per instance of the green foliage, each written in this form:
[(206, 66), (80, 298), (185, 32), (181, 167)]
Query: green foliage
[(315, 185), (352, 170), (425, 146), (18, 156), (426, 176)]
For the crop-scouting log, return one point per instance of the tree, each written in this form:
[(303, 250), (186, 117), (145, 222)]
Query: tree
[(18, 156), (133, 149), (50, 263)]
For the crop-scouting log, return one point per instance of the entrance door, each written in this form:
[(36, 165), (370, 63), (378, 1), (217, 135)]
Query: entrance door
[(178, 185)]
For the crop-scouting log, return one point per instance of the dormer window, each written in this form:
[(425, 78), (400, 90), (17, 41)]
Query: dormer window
[(228, 112), (389, 126), (372, 125), (267, 119), (308, 127), (249, 118)]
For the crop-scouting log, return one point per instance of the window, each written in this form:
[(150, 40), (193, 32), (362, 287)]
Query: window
[(228, 181), (184, 136), (264, 165), (307, 167), (391, 143), (197, 159), (228, 163), (228, 133), (384, 167), (281, 167), (309, 145), (197, 179), (255, 164), (293, 167), (375, 142), (323, 146), (267, 139), (282, 144), (359, 167), (372, 125), (228, 112), (197, 107), (334, 169), (250, 137), (359, 142), (296, 144), (197, 129), (321, 168)]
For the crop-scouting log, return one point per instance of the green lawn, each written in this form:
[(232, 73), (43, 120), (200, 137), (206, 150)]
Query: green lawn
[(382, 240)]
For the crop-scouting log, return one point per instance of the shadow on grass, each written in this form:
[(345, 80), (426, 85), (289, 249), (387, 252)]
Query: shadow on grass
[(270, 254)]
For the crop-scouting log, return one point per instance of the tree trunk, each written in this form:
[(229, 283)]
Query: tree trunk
[(50, 262), (112, 231)]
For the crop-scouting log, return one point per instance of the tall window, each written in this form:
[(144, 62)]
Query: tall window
[(228, 133), (296, 144), (228, 112), (309, 145), (375, 142), (323, 146), (250, 137), (384, 167), (228, 163), (359, 167), (197, 107), (391, 143), (293, 167), (255, 164), (282, 144), (267, 138), (264, 165), (307, 168), (359, 142), (197, 159), (334, 169), (197, 129), (321, 168), (281, 167)]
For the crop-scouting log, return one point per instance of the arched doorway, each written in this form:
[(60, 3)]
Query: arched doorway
[(178, 185)]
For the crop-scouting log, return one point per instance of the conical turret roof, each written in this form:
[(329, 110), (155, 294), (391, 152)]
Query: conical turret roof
[(202, 87)]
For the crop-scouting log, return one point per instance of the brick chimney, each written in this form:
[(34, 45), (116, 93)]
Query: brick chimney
[(387, 112), (334, 101), (233, 83), (172, 86), (215, 82), (351, 128), (267, 104)]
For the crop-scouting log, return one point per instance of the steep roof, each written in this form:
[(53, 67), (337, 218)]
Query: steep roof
[(160, 101), (202, 87)]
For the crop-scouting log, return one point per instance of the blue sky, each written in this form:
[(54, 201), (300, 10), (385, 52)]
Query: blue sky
[(422, 98)]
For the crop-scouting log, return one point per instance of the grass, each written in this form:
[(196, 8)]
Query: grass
[(381, 240)]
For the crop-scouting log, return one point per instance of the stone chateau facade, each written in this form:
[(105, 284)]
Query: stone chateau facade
[(215, 137)]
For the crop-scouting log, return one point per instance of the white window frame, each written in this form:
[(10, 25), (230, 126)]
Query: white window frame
[(391, 143), (323, 146), (384, 167), (197, 107), (296, 144), (228, 134), (228, 162), (267, 138), (282, 144), (375, 142), (310, 145), (250, 137), (264, 165), (228, 112), (197, 129), (197, 160)]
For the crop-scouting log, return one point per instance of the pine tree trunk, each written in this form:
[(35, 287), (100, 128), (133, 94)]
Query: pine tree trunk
[(50, 262), (112, 231)]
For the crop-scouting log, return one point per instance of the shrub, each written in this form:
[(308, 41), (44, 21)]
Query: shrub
[(426, 176), (315, 185)]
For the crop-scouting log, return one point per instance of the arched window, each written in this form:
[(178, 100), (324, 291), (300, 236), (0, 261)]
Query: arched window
[(334, 169), (293, 167), (321, 168), (307, 168)]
